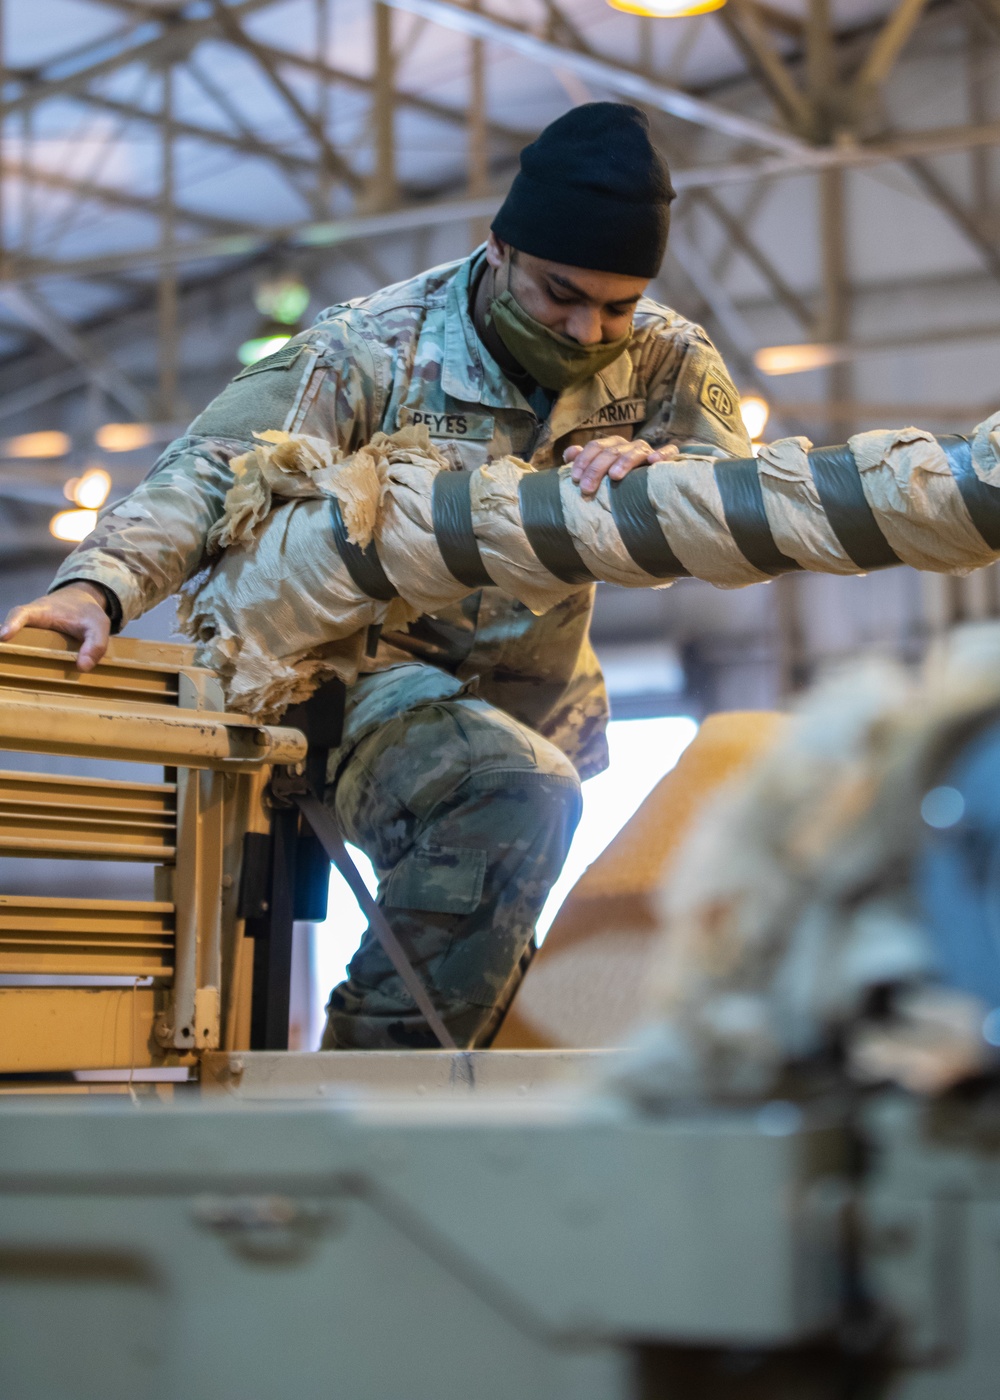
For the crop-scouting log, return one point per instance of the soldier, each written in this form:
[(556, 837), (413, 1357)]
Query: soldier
[(466, 737)]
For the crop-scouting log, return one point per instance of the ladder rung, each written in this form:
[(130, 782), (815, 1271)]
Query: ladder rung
[(68, 848), (132, 938), (87, 793)]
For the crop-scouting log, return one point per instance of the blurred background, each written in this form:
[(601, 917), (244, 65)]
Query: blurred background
[(184, 185)]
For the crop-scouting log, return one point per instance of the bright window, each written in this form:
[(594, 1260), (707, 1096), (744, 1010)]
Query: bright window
[(642, 751)]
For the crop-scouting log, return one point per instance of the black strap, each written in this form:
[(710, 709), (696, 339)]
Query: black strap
[(982, 500), (743, 505), (542, 517), (851, 518), (451, 509), (363, 565), (325, 827), (640, 528)]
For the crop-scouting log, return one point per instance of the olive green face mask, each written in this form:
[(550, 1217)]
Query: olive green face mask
[(552, 360)]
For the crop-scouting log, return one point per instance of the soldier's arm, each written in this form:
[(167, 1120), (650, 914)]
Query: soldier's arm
[(147, 545)]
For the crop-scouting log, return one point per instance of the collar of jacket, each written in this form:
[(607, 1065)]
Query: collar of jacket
[(470, 373)]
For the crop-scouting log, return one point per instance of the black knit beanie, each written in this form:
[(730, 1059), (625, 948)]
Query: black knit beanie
[(591, 192)]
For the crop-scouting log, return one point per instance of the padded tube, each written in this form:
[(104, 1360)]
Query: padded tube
[(851, 518), (363, 565), (982, 501), (640, 529), (451, 508), (542, 516), (743, 505)]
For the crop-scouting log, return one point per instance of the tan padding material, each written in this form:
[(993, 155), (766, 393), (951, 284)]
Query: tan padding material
[(584, 987)]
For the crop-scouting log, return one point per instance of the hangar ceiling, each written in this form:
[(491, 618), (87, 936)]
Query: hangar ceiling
[(149, 146)]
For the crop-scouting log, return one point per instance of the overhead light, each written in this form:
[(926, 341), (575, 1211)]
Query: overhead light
[(72, 525), (667, 9), (90, 490), (797, 359), (281, 301), (755, 412), (126, 437), (283, 298), (49, 444), (253, 350)]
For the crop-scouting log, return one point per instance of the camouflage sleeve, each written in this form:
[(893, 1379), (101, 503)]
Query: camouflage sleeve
[(326, 382), (694, 403)]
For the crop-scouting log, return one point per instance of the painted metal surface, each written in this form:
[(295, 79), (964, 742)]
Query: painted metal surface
[(437, 1248), (330, 1073), (96, 984)]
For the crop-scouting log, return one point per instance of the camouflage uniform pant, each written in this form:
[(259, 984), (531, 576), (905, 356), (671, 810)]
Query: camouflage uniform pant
[(467, 816)]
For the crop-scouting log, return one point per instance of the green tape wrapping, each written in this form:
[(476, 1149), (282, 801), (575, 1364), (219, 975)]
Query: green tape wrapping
[(982, 501), (851, 518), (542, 516), (363, 565), (743, 505), (640, 529), (451, 507)]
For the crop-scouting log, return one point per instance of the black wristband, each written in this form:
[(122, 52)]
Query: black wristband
[(112, 604)]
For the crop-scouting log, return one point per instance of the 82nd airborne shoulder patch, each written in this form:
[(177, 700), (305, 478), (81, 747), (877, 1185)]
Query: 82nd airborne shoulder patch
[(719, 396)]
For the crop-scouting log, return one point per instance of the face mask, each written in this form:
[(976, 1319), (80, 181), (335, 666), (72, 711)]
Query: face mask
[(552, 360)]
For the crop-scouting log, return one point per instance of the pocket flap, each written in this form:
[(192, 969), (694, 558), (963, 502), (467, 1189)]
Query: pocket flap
[(439, 880)]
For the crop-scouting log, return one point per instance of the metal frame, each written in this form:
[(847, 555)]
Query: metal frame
[(184, 953), (824, 87)]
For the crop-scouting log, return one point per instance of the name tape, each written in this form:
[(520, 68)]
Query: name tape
[(473, 427)]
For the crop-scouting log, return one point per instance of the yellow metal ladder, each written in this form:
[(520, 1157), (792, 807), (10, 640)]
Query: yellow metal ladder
[(96, 984)]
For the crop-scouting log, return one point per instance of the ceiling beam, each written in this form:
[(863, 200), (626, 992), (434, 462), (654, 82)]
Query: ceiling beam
[(742, 21), (844, 350), (619, 78), (887, 150), (248, 144), (213, 136), (40, 391), (779, 20), (741, 240), (889, 44), (311, 235), (234, 32), (34, 311), (176, 37), (426, 215), (417, 102), (848, 410), (426, 106), (956, 212), (114, 197), (301, 182)]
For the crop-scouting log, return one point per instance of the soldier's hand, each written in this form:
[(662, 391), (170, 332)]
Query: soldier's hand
[(76, 610), (614, 457)]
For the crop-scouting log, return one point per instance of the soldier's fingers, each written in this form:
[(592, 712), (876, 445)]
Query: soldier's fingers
[(95, 636), (27, 615), (572, 453), (598, 470), (593, 450), (12, 623), (664, 454), (638, 454), (583, 459)]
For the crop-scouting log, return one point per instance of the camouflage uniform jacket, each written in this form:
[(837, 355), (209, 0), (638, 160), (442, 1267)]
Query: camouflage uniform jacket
[(410, 354)]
